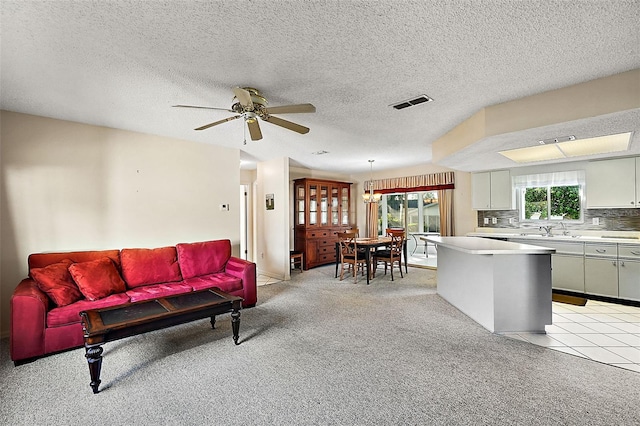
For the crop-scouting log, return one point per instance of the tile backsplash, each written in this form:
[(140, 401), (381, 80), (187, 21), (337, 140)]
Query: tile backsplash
[(609, 220)]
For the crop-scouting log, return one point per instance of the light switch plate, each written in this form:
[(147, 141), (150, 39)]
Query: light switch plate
[(595, 221), (494, 220), (486, 220)]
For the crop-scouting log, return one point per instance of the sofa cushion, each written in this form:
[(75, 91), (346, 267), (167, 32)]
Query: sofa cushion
[(71, 313), (203, 258), (97, 278), (56, 281), (149, 266), (39, 260), (223, 281), (157, 290)]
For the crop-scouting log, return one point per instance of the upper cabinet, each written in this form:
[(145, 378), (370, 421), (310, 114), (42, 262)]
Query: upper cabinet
[(491, 190), (613, 183), (321, 203)]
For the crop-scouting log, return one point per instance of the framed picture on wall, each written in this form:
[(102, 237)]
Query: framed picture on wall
[(269, 200)]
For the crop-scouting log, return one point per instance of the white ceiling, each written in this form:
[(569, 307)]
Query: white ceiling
[(122, 64)]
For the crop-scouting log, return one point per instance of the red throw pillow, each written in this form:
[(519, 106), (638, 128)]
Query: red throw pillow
[(149, 266), (97, 279), (56, 281)]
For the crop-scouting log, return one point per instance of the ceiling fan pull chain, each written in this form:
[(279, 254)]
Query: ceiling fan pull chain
[(244, 128)]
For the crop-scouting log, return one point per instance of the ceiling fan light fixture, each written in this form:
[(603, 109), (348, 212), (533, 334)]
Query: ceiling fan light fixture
[(250, 117)]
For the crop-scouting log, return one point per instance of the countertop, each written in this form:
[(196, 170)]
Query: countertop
[(538, 238), (476, 245)]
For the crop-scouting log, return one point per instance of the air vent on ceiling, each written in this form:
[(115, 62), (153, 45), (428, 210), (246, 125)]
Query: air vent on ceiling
[(412, 102)]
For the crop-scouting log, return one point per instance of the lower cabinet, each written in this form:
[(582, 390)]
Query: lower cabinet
[(629, 279), (601, 276), (319, 245), (567, 272), (601, 269)]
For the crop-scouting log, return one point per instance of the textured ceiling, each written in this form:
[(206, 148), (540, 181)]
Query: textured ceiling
[(122, 64)]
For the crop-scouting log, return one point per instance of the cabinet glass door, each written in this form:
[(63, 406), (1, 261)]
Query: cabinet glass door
[(313, 204), (345, 205), (324, 204), (300, 204), (335, 219)]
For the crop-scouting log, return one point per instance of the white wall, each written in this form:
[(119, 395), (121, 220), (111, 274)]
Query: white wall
[(271, 230), (69, 186)]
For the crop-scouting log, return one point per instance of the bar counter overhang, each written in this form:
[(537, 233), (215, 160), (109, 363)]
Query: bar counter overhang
[(504, 286)]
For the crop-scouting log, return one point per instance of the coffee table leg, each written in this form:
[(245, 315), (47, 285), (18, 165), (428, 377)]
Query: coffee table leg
[(94, 358), (235, 323), (213, 321)]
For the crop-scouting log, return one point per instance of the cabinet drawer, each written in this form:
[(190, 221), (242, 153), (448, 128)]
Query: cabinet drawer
[(329, 249), (321, 233), (561, 246), (327, 257), (326, 242), (601, 250), (629, 251)]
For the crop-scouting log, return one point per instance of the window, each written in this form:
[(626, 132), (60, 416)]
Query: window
[(551, 196), (417, 212)]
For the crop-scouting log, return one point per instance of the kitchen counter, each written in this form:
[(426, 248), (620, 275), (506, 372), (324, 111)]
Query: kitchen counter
[(476, 245), (504, 286), (537, 237)]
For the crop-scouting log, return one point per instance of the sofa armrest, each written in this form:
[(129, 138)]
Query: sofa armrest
[(29, 307), (246, 271)]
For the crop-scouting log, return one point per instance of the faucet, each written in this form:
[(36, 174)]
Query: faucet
[(547, 229), (564, 229)]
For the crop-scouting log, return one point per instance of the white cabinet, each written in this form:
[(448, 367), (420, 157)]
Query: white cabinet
[(629, 272), (491, 190), (637, 181), (567, 272), (629, 279), (601, 276), (601, 269), (613, 183)]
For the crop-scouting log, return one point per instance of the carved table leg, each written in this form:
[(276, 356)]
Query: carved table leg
[(213, 321), (94, 358), (235, 324)]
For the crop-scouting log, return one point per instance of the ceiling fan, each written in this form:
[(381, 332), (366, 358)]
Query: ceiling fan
[(251, 105)]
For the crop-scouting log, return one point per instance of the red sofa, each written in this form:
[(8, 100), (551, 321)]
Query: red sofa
[(45, 306)]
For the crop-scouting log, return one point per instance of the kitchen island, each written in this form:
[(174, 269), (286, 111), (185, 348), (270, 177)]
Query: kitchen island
[(504, 286)]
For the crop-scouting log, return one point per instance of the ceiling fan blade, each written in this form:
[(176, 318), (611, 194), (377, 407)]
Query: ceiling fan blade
[(243, 96), (202, 107), (254, 130), (206, 126), (291, 109), (287, 124)]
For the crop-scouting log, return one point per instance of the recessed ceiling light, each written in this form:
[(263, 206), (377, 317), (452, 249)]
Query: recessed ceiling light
[(553, 149)]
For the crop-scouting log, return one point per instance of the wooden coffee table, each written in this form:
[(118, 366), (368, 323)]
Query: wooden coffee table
[(117, 322)]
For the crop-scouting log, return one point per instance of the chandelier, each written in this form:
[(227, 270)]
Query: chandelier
[(370, 197)]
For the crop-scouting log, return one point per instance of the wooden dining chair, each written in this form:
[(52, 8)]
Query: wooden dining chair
[(349, 254), (391, 255)]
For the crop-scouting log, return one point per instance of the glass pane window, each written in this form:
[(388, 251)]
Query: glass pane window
[(552, 203), (395, 211), (535, 203), (417, 212), (430, 212), (565, 202)]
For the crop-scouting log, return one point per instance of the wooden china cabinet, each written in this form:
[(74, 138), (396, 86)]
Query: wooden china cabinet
[(321, 210)]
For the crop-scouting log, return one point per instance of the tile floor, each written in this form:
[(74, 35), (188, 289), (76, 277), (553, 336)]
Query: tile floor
[(601, 331)]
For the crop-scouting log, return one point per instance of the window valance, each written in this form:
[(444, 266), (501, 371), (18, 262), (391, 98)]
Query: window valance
[(430, 182), (568, 178)]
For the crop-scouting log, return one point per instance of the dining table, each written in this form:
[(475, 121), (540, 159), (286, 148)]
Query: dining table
[(372, 244)]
